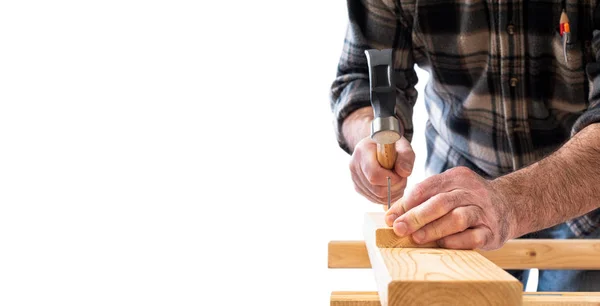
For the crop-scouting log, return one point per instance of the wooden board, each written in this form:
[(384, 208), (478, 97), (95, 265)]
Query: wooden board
[(435, 276), (580, 254), (385, 236), (354, 298), (551, 254), (371, 298), (561, 299), (347, 254)]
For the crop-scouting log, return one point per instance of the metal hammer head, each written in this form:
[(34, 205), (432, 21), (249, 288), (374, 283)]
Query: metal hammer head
[(385, 128)]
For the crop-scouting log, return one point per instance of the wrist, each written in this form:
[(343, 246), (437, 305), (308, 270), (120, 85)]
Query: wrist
[(357, 126), (515, 194), (505, 195)]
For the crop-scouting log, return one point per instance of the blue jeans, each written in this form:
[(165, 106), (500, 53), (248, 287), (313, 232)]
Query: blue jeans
[(561, 280)]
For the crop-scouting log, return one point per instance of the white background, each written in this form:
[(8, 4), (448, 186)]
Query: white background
[(174, 153)]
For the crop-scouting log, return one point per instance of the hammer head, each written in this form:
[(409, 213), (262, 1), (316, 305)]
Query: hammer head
[(385, 128)]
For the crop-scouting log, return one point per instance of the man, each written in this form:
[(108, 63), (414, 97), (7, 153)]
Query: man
[(513, 134)]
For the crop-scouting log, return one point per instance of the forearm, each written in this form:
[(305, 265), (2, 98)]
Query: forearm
[(357, 126), (560, 187)]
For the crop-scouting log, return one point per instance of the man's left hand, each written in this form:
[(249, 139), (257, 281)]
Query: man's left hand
[(458, 208)]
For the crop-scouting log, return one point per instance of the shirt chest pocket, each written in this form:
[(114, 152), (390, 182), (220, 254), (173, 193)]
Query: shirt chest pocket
[(571, 54), (569, 50), (568, 55)]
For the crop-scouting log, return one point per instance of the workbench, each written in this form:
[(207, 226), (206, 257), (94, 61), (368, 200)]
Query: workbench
[(409, 274)]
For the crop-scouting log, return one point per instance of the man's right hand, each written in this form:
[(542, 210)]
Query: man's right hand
[(370, 178)]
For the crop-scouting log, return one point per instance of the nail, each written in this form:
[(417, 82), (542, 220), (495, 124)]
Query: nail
[(400, 229), (419, 236)]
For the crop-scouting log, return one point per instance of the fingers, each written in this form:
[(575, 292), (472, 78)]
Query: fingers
[(469, 239), (433, 185), (373, 171), (359, 186), (376, 194), (405, 159), (371, 179), (454, 222), (432, 209)]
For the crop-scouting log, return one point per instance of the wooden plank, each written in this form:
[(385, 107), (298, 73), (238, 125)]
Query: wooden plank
[(551, 254), (347, 254), (435, 276), (579, 254), (371, 298), (561, 298), (354, 298), (350, 254), (385, 236)]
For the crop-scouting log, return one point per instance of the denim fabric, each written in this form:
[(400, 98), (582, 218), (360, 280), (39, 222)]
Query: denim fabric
[(562, 280)]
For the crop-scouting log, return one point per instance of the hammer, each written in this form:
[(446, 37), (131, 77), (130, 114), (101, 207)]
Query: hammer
[(385, 128)]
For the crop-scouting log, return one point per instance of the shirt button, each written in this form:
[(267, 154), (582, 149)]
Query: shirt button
[(513, 82), (511, 29)]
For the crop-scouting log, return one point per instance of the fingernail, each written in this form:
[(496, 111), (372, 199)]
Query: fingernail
[(389, 219), (419, 236), (400, 228)]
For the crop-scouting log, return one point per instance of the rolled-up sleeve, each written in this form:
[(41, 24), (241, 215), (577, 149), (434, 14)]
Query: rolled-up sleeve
[(592, 114), (373, 24)]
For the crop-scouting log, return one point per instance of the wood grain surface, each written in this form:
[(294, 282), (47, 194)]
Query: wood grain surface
[(354, 298), (385, 236), (347, 254), (547, 254), (576, 254), (386, 155), (561, 298), (435, 276), (371, 298)]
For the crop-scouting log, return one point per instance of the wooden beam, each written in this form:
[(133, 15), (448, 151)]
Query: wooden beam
[(371, 298), (351, 254), (551, 254), (354, 298), (561, 298), (580, 254), (385, 236), (347, 254), (516, 254), (430, 276)]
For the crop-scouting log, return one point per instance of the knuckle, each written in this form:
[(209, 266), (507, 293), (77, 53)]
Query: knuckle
[(418, 191), (447, 201), (460, 219), (416, 220), (371, 179), (438, 204), (380, 192), (479, 241), (352, 164), (437, 232), (442, 203), (407, 152), (410, 153), (461, 171)]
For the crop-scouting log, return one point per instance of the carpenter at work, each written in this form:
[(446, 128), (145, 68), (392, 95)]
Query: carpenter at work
[(513, 127)]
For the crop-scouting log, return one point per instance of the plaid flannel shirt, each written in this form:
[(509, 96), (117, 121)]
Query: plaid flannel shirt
[(501, 94)]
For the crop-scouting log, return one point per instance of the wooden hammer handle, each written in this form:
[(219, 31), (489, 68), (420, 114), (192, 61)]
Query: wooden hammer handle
[(386, 155)]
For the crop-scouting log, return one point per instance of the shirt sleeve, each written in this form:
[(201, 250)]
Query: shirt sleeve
[(373, 24), (592, 114)]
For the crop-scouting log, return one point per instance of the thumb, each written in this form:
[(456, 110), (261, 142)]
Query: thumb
[(405, 159)]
